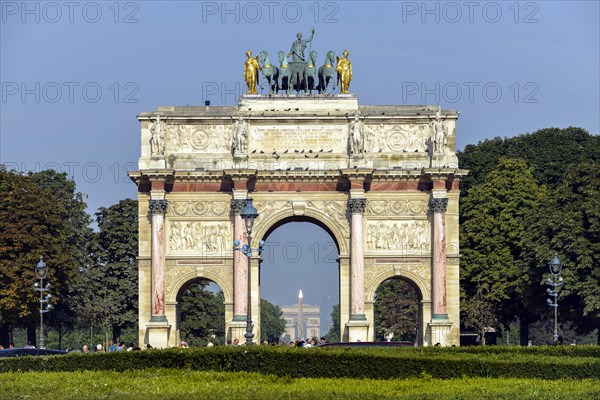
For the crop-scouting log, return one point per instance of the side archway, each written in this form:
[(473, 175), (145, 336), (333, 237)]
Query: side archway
[(417, 281)]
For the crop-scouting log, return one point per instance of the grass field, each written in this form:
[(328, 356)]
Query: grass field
[(187, 384)]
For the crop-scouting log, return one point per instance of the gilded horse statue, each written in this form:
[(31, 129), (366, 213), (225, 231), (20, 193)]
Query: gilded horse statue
[(269, 72), (310, 73), (327, 72)]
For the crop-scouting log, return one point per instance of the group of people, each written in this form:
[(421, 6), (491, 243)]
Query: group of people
[(112, 347)]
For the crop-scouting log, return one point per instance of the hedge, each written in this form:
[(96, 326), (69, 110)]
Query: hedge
[(543, 363)]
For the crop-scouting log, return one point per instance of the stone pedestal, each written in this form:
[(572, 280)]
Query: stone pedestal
[(358, 331), (444, 333), (157, 334), (237, 330)]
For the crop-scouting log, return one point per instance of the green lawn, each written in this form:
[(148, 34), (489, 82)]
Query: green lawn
[(187, 384)]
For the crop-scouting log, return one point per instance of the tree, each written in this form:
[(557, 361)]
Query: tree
[(202, 314), (334, 333), (272, 325), (78, 241), (549, 150), (31, 225), (479, 313), (110, 297), (396, 308), (492, 234), (568, 224)]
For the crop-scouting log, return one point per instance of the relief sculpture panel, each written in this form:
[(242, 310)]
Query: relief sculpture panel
[(208, 208), (409, 237), (397, 207), (199, 139), (201, 237), (412, 138)]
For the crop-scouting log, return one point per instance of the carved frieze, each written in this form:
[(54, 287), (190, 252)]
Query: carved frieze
[(190, 208), (411, 138), (199, 138), (269, 207), (200, 236), (397, 207), (408, 237)]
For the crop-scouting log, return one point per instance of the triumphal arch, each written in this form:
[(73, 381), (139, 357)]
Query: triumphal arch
[(382, 180)]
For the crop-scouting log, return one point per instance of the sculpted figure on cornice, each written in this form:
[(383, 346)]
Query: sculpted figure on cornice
[(404, 236), (204, 237), (439, 134), (397, 207), (185, 208), (240, 138), (157, 138), (356, 136)]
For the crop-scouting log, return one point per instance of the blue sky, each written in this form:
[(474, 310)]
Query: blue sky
[(75, 74)]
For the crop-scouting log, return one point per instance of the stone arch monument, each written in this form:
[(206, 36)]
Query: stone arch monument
[(383, 179)]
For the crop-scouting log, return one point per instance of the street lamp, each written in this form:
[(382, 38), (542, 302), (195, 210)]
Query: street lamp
[(41, 269), (249, 214), (555, 282)]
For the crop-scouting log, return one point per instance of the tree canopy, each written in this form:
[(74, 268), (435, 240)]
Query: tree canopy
[(272, 325)]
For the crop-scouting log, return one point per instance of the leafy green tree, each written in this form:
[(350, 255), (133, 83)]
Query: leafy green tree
[(202, 314), (334, 333), (479, 313), (78, 242), (110, 295), (396, 309), (549, 150), (492, 235), (568, 223), (272, 325), (31, 225)]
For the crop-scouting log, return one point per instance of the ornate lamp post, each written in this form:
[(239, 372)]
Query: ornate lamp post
[(555, 282), (249, 214), (41, 269)]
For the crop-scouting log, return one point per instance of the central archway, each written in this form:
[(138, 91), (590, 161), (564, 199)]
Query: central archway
[(301, 254)]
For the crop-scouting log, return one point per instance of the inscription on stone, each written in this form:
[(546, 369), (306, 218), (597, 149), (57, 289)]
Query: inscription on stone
[(299, 138)]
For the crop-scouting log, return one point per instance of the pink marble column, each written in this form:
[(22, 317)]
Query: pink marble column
[(158, 208), (357, 261), (240, 264), (438, 208)]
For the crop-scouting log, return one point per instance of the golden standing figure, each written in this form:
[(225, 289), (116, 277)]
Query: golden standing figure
[(251, 68), (344, 73)]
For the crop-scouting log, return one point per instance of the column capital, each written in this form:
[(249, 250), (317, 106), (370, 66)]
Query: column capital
[(357, 206), (157, 206), (237, 205), (438, 205)]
